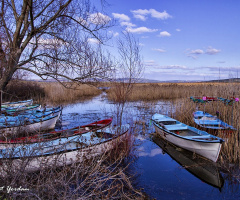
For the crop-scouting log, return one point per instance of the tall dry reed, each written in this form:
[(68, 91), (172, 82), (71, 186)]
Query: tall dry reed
[(58, 94), (157, 91)]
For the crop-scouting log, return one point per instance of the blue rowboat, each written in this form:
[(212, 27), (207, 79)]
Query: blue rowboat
[(210, 122), (20, 109), (53, 135), (28, 123)]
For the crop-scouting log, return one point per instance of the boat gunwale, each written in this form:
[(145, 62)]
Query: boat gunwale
[(65, 150), (208, 126), (219, 140), (54, 114), (56, 132)]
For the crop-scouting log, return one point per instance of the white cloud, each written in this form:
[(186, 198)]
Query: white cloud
[(99, 18), (150, 63), (175, 67), (128, 24), (140, 30), (194, 53), (142, 14), (121, 17), (50, 42), (159, 15), (153, 65), (140, 11), (159, 50), (178, 30), (164, 34), (218, 69), (212, 51), (93, 41), (197, 51), (114, 34), (141, 17)]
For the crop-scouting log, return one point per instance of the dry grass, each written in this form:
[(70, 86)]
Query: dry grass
[(55, 93), (157, 91)]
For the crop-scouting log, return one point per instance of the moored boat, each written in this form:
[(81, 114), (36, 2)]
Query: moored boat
[(20, 110), (187, 137), (53, 135), (211, 123), (62, 151), (12, 126), (16, 104)]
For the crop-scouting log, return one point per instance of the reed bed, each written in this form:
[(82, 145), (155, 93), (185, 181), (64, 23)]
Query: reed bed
[(167, 91), (55, 93)]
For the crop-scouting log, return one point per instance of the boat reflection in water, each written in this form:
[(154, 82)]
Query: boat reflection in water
[(204, 169)]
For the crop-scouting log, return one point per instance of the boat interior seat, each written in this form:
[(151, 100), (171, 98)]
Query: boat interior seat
[(199, 137), (210, 122), (176, 127)]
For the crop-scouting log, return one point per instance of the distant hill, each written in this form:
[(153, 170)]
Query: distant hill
[(143, 80), (229, 80)]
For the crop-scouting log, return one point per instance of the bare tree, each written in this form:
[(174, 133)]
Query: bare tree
[(51, 38), (130, 68)]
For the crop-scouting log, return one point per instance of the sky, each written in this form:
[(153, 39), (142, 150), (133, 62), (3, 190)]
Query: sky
[(182, 39)]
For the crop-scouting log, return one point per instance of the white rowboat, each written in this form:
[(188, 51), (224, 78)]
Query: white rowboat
[(187, 137), (18, 103), (63, 151)]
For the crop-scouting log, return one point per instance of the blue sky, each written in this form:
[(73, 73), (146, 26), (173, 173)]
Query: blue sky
[(183, 39)]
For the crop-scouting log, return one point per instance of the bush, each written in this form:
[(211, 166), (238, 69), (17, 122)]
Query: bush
[(21, 90)]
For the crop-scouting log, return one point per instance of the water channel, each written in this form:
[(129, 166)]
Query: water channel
[(162, 170)]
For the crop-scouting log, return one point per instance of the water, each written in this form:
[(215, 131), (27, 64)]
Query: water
[(164, 171)]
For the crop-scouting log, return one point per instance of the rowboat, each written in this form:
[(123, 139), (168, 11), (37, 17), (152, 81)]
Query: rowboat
[(53, 135), (187, 137), (62, 151), (13, 126), (204, 169), (210, 122), (16, 104), (20, 110)]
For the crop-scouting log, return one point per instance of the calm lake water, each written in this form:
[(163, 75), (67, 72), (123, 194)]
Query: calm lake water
[(162, 170)]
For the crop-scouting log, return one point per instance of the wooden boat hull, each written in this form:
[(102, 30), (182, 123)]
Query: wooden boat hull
[(53, 135), (30, 128), (20, 110), (46, 122), (72, 153), (225, 133), (208, 122), (208, 150)]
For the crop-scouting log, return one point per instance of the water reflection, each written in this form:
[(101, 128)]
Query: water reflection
[(204, 169), (161, 176)]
